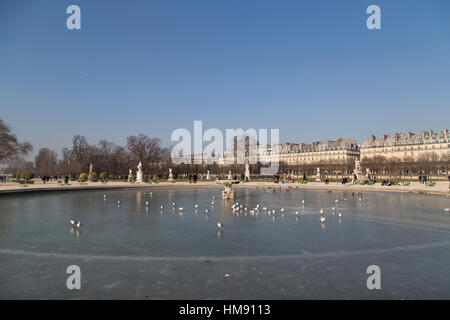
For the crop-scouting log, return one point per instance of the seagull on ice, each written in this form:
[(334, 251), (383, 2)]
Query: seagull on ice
[(321, 211), (196, 206), (340, 215), (146, 203), (75, 224), (219, 225), (322, 218)]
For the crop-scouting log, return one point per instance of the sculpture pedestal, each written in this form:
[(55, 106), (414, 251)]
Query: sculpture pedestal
[(228, 193), (170, 179), (139, 177), (318, 178)]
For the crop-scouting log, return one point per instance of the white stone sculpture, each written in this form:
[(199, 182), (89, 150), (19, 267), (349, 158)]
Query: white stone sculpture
[(139, 173), (318, 175), (247, 172)]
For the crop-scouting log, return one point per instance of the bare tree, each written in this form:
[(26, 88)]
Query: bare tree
[(144, 149), (46, 162), (10, 147)]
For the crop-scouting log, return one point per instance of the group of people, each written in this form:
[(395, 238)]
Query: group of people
[(193, 178), (423, 179), (3, 178)]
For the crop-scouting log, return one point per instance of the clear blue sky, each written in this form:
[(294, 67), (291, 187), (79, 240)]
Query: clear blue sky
[(310, 68)]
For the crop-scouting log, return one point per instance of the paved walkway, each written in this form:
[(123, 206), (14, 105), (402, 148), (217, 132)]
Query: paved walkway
[(441, 187)]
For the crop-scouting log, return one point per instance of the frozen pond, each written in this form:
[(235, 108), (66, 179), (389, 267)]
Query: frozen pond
[(131, 250)]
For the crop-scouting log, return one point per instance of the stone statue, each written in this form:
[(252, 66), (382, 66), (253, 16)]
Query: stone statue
[(207, 175), (358, 172), (170, 175), (139, 173), (130, 175), (91, 167), (229, 176), (247, 172), (318, 178)]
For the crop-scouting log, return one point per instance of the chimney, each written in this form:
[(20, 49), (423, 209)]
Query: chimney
[(446, 133), (372, 138)]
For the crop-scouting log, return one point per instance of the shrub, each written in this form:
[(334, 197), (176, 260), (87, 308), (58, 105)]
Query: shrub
[(94, 176), (83, 177), (27, 176), (103, 176)]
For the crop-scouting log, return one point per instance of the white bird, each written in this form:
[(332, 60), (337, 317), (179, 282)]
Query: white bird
[(264, 208), (162, 207), (118, 202), (220, 225), (333, 208), (196, 206), (180, 209), (303, 201), (322, 218), (321, 211), (104, 196), (173, 204), (282, 210), (336, 200), (206, 210), (75, 223), (213, 198), (212, 202), (296, 213), (340, 214), (359, 199), (447, 209), (146, 203)]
